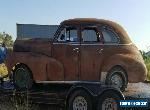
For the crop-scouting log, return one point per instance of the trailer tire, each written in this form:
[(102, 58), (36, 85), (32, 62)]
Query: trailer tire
[(22, 77), (80, 100), (109, 100)]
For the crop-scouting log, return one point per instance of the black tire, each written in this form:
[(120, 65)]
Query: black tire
[(109, 100), (121, 74), (22, 78), (80, 97)]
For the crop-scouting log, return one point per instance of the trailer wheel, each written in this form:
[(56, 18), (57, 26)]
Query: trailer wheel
[(22, 77), (80, 100), (117, 78), (109, 100)]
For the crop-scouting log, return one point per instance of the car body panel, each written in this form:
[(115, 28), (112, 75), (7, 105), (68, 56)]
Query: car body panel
[(69, 57), (91, 61), (40, 65), (124, 38)]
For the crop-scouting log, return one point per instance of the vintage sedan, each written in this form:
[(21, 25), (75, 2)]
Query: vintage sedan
[(82, 50)]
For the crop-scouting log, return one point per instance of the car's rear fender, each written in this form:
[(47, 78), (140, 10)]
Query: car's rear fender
[(133, 67)]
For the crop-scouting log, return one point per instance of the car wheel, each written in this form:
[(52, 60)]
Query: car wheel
[(117, 78), (22, 77), (109, 100), (80, 100)]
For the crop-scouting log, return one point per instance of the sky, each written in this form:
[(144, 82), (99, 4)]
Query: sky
[(133, 15)]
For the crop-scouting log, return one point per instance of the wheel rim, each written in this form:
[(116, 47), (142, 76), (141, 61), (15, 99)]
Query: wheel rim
[(22, 77), (116, 80), (80, 103), (109, 104)]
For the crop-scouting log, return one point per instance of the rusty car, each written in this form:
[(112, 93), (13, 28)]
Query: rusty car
[(85, 50)]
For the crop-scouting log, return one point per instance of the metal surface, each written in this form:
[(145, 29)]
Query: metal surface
[(69, 58), (80, 103), (135, 91), (109, 104), (116, 81), (58, 94), (91, 61), (35, 31), (51, 60), (124, 38)]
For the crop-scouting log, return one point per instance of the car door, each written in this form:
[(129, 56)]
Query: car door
[(66, 50), (91, 53)]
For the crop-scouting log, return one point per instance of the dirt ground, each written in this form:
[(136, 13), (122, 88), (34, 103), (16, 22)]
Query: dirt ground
[(138, 90)]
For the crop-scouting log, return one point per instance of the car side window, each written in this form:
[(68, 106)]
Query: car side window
[(90, 35), (109, 36), (68, 34)]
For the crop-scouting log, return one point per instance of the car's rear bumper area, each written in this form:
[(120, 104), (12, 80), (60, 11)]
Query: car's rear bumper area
[(137, 72)]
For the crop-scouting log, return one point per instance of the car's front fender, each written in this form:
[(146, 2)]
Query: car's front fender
[(42, 67)]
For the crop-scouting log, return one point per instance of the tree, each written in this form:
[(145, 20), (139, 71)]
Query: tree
[(145, 56), (6, 39)]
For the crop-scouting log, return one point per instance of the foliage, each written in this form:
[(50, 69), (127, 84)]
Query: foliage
[(6, 39), (147, 63), (3, 70), (143, 54), (16, 102)]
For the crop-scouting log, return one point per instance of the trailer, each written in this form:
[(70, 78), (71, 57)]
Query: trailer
[(96, 95), (47, 96)]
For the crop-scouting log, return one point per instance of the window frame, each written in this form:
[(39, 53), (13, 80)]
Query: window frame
[(95, 28), (110, 29), (60, 29)]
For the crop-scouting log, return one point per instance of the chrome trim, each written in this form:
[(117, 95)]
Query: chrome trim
[(76, 49), (68, 82), (77, 43), (94, 44), (103, 77)]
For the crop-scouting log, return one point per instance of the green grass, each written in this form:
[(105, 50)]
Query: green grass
[(147, 62), (16, 102)]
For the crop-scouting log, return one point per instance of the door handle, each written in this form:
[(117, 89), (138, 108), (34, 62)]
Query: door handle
[(76, 49), (100, 50)]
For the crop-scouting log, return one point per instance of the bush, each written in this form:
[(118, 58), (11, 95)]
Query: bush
[(147, 62), (3, 70)]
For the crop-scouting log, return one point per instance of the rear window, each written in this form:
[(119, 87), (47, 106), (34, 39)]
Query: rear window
[(109, 35)]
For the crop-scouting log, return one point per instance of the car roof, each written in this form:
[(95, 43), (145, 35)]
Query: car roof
[(93, 21)]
